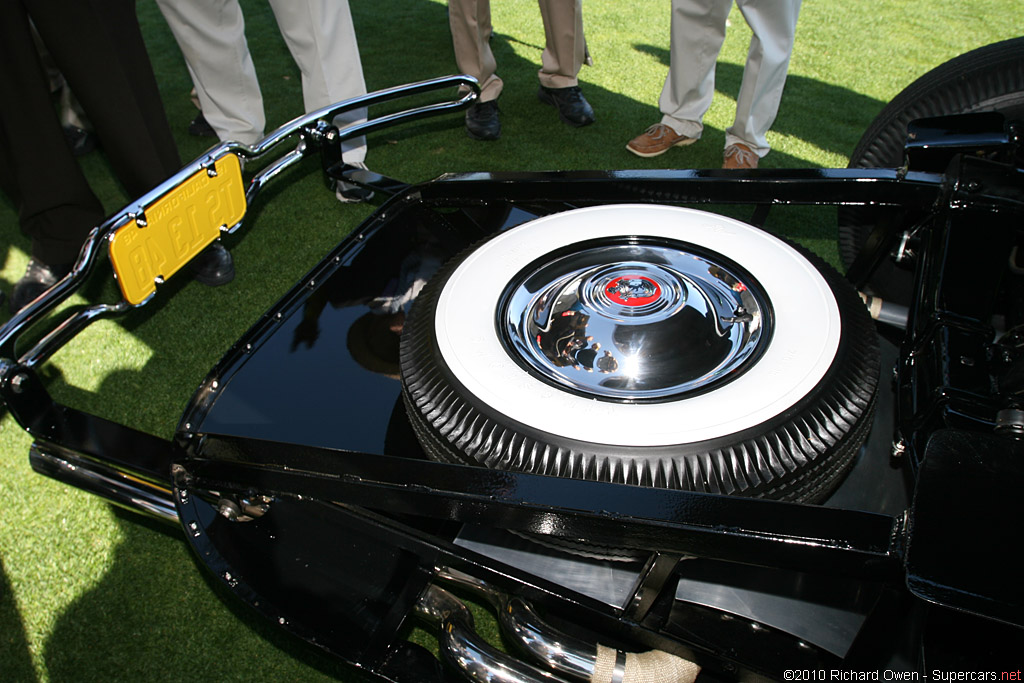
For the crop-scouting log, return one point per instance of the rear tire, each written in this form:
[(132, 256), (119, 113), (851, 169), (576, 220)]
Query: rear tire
[(990, 78)]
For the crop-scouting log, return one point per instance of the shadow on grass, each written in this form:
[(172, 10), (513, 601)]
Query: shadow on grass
[(14, 653), (534, 139), (155, 616)]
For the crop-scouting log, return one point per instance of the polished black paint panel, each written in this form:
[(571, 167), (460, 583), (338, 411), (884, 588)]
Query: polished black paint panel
[(968, 495), (749, 530), (327, 375), (322, 372)]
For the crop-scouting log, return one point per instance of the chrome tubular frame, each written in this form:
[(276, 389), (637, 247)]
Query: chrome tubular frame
[(313, 131)]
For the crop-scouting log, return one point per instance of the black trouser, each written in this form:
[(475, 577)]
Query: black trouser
[(98, 47)]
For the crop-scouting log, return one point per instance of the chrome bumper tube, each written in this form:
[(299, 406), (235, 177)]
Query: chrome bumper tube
[(307, 132)]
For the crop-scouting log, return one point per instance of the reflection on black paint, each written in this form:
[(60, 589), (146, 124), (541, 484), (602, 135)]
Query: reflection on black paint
[(328, 374)]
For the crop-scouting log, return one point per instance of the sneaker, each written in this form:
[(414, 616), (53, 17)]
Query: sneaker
[(350, 193), (657, 140), (38, 278), (572, 106), (482, 122), (739, 156)]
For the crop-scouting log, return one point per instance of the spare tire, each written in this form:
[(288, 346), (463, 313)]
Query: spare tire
[(647, 345), (990, 78)]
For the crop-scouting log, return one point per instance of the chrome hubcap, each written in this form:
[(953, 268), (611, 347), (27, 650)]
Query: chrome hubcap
[(633, 319)]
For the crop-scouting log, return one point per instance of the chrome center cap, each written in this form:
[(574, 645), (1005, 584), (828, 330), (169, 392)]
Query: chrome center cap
[(634, 319)]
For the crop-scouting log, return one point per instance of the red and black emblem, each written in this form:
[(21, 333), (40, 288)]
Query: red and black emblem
[(633, 290)]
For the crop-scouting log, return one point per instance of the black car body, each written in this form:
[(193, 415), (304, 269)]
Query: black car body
[(304, 487)]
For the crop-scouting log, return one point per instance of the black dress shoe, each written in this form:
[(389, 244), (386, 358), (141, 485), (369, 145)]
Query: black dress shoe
[(572, 106), (482, 122), (214, 266), (201, 128), (38, 278)]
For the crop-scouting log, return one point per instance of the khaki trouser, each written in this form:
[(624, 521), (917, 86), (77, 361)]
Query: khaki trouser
[(564, 52), (698, 30)]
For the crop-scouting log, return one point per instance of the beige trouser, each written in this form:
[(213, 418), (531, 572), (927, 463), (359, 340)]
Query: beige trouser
[(698, 31), (564, 52), (320, 36)]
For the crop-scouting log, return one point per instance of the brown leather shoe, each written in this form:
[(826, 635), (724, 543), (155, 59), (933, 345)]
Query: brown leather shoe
[(739, 156), (657, 140)]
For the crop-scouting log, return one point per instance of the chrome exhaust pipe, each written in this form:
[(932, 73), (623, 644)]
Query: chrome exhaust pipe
[(570, 656), (562, 652), (467, 652)]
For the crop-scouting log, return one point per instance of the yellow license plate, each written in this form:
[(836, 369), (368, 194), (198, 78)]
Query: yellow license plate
[(177, 226)]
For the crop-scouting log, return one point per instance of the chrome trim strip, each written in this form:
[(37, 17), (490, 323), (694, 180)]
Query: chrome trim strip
[(64, 332), (619, 672)]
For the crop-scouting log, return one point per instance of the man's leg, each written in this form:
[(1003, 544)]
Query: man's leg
[(698, 31), (565, 52), (322, 39), (470, 24), (764, 76), (56, 207), (211, 35), (565, 48)]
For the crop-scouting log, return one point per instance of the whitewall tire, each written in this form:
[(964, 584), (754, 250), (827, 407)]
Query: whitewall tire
[(648, 345)]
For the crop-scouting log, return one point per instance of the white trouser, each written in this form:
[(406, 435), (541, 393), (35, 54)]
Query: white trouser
[(698, 30), (320, 36)]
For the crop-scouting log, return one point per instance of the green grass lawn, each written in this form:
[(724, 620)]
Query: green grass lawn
[(88, 593)]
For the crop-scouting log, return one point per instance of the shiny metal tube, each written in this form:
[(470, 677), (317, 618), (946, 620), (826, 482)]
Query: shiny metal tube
[(67, 330), (478, 661), (886, 311), (437, 605), (562, 652), (272, 171), (469, 83), (453, 576), (559, 651), (119, 488), (568, 656), (23, 319), (468, 653)]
